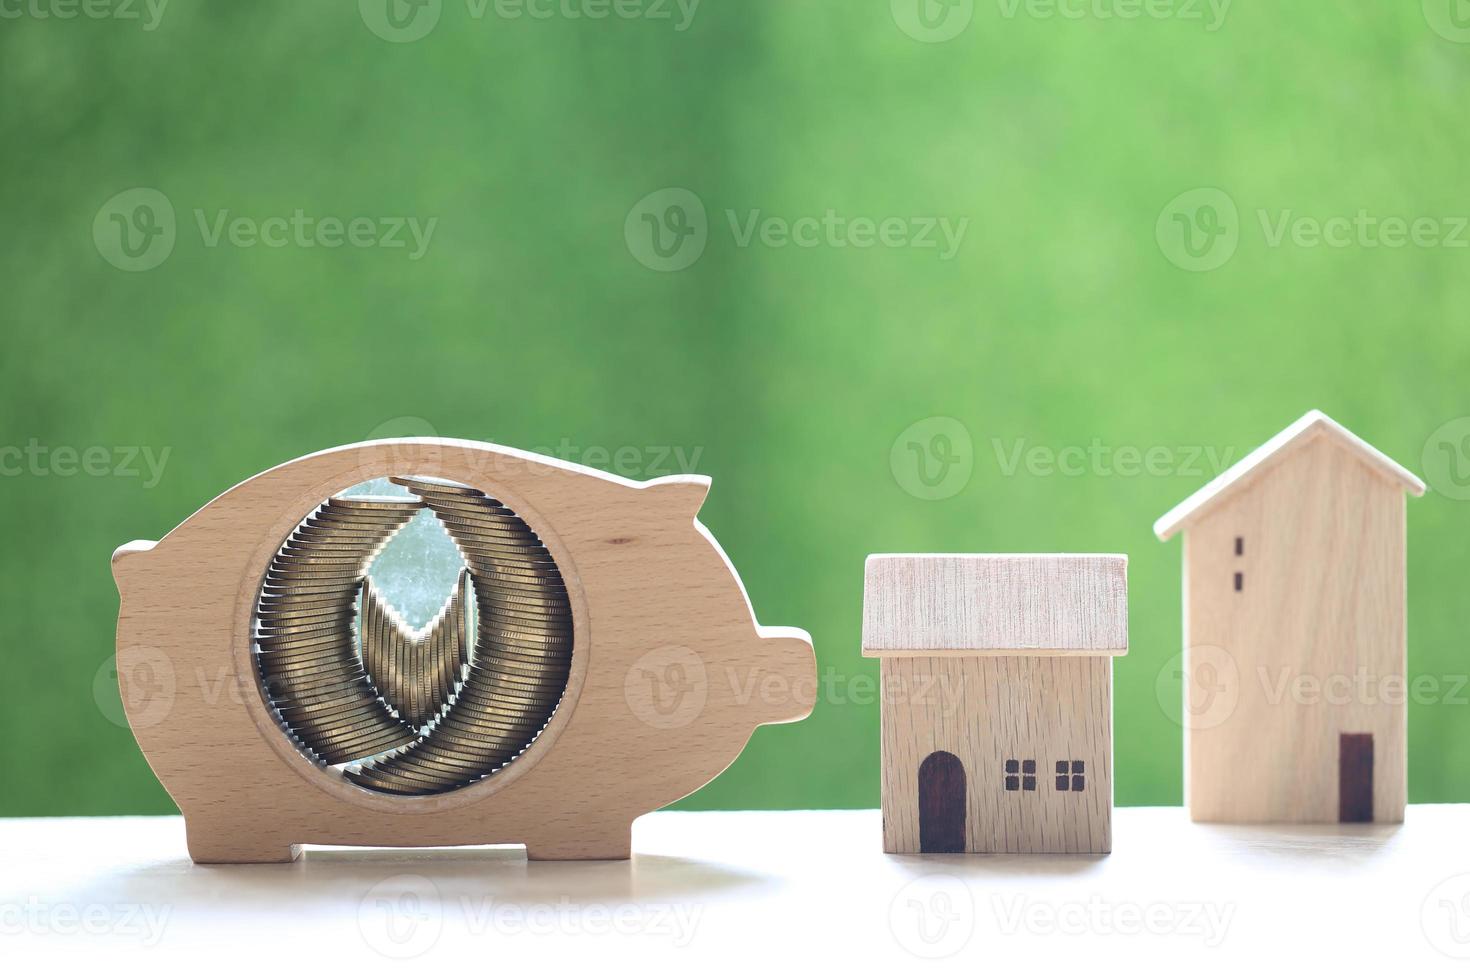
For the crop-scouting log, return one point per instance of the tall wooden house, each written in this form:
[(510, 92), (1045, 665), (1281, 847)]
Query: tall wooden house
[(1295, 632)]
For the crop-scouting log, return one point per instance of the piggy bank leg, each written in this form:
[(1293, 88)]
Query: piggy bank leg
[(214, 844), (602, 843)]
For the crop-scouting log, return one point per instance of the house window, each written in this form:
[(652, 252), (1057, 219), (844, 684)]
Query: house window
[(1239, 581), (1071, 776), (1020, 775), (1239, 547)]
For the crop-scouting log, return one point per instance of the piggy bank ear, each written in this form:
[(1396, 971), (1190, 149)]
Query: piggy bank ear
[(127, 560), (684, 493)]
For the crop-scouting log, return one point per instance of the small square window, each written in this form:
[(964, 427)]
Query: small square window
[(1070, 776), (1029, 765), (1028, 782), (1012, 765), (1013, 783)]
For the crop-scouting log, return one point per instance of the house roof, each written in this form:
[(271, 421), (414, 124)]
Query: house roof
[(1311, 426), (995, 605)]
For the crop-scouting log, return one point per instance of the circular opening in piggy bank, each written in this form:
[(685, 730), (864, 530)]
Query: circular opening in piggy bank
[(374, 670)]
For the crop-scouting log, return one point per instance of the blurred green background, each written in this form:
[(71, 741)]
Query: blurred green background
[(1072, 315)]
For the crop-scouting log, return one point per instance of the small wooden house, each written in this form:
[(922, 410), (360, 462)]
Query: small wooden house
[(1295, 632), (997, 699)]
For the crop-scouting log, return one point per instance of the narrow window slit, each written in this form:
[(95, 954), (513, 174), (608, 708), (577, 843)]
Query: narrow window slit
[(1239, 581)]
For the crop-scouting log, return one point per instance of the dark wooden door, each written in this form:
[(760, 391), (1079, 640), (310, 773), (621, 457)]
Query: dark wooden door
[(941, 804), (1355, 778)]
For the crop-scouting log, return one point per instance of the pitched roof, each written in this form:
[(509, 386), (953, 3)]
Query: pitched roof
[(1299, 433), (995, 605)]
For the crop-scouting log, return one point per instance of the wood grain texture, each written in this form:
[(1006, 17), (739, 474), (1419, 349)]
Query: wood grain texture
[(650, 589), (986, 710), (1311, 646), (970, 605)]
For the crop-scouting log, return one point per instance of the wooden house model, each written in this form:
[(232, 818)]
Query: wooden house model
[(997, 703), (1295, 632)]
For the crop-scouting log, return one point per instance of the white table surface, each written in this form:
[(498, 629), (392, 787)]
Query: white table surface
[(750, 894)]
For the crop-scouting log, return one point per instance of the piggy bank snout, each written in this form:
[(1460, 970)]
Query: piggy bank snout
[(791, 667)]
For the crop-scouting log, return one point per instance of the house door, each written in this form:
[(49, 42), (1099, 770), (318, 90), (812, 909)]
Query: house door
[(1355, 778), (941, 804)]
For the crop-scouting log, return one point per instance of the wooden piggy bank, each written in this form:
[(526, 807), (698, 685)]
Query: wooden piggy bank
[(597, 658)]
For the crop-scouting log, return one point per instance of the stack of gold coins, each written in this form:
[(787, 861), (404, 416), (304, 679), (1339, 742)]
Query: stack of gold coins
[(416, 672), (523, 649), (306, 630)]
